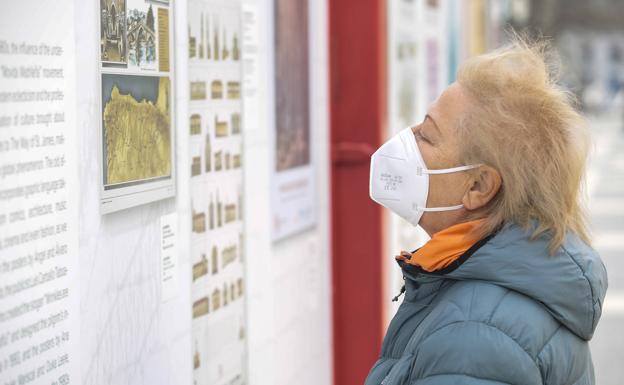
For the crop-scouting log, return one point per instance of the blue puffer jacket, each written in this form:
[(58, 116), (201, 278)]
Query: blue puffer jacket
[(505, 312)]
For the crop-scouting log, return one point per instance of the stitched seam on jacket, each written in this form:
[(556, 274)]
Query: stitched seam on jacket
[(539, 352), (488, 325), (581, 377), (497, 305), (379, 362), (465, 375), (433, 293), (591, 289), (472, 301), (430, 308), (390, 345), (539, 355)]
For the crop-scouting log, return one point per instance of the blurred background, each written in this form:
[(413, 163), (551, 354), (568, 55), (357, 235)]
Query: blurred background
[(184, 189)]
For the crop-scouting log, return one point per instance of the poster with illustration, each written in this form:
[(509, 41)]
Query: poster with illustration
[(216, 167), (141, 35), (137, 106), (293, 190), (113, 32)]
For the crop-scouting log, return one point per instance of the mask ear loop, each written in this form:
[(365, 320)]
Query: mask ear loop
[(437, 209), (446, 171), (450, 170)]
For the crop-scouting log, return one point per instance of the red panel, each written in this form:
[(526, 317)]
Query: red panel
[(357, 33)]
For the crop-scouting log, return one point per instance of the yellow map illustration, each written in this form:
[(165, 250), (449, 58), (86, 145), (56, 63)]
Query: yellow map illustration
[(138, 136)]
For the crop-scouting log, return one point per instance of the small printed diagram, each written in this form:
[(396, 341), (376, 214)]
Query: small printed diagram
[(113, 31), (141, 35), (136, 117), (214, 35)]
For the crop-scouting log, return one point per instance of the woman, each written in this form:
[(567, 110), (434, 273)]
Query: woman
[(507, 291)]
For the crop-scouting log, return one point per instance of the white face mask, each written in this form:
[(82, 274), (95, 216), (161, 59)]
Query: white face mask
[(399, 178)]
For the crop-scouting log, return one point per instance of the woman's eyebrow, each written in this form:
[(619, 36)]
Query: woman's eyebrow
[(434, 124)]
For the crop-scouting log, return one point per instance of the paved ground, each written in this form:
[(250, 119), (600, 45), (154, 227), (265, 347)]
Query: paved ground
[(606, 207)]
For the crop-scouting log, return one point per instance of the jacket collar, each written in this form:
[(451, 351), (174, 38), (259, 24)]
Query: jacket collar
[(420, 284), (571, 284)]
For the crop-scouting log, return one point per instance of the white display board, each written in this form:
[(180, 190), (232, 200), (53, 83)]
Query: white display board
[(87, 298), (133, 328), (39, 287), (288, 308)]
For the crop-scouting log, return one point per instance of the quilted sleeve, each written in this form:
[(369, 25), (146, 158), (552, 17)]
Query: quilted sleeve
[(472, 353)]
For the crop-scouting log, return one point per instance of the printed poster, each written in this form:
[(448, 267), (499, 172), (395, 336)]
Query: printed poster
[(215, 141), (137, 103), (293, 188)]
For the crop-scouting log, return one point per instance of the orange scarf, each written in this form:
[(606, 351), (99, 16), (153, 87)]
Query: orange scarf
[(444, 247)]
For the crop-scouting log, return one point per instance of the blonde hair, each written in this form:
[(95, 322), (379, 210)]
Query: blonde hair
[(526, 126)]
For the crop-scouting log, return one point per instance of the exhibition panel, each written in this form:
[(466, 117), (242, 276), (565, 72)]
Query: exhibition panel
[(39, 256)]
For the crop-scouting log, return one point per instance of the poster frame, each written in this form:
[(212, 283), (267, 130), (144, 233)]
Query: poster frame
[(144, 191)]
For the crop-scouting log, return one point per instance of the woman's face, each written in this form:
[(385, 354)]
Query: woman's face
[(439, 145)]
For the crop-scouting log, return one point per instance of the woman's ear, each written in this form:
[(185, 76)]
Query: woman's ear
[(484, 185)]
